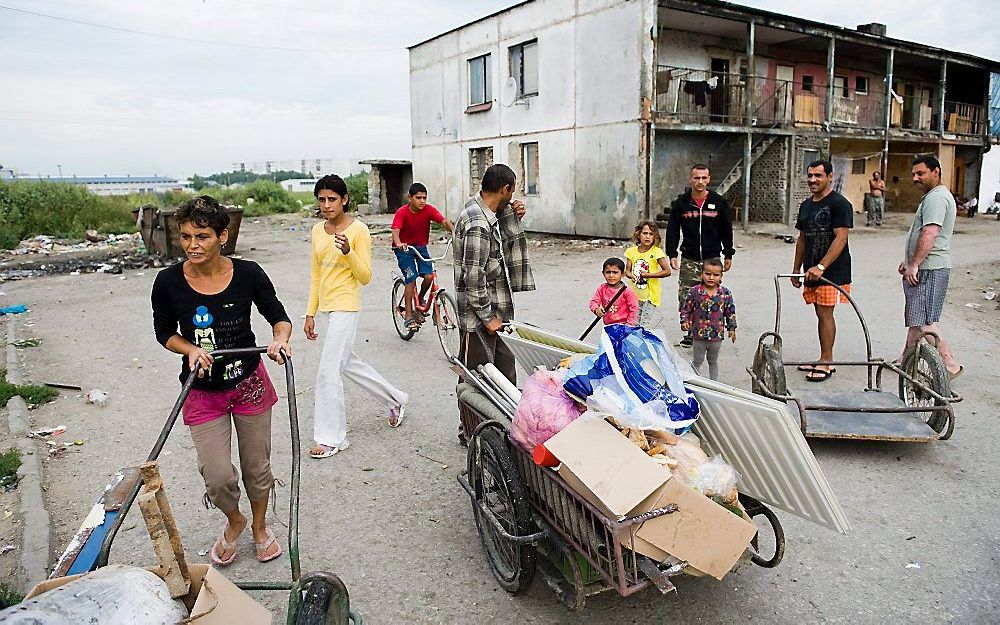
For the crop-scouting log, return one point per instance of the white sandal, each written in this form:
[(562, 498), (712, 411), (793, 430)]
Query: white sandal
[(397, 412)]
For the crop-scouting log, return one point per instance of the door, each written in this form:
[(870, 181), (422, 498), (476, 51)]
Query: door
[(720, 95), (783, 92)]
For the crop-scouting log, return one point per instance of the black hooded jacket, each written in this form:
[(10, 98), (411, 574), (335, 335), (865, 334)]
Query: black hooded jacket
[(707, 231)]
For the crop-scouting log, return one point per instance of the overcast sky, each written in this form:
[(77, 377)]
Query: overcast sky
[(193, 86)]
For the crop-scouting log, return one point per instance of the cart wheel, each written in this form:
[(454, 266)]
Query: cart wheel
[(755, 508), (923, 362), (446, 320), (498, 487), (770, 371), (399, 309), (320, 598)]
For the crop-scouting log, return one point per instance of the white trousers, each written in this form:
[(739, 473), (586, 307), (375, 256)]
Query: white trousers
[(338, 362)]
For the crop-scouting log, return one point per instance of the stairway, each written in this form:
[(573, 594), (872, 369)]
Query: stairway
[(735, 173)]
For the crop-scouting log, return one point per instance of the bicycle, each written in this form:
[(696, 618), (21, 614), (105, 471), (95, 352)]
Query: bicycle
[(444, 313)]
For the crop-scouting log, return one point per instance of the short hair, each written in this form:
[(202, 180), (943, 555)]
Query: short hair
[(826, 165), (204, 211), (415, 188), (497, 177), (332, 182), (711, 262), (930, 160), (642, 224), (614, 261), (701, 166)]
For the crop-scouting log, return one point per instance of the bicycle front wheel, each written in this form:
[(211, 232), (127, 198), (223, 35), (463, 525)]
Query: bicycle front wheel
[(398, 304), (446, 320)]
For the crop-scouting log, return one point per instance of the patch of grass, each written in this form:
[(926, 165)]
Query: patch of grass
[(10, 460), (32, 394), (9, 596)]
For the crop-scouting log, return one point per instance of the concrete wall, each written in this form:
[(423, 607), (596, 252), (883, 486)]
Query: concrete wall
[(673, 155), (769, 181), (796, 174), (585, 118)]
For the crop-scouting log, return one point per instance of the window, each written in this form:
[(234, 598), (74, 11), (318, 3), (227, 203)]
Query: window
[(529, 158), (808, 156), (861, 85), (479, 161), (807, 83), (480, 87), (524, 68), (840, 87), (858, 166)]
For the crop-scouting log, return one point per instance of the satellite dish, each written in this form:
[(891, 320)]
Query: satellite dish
[(509, 92)]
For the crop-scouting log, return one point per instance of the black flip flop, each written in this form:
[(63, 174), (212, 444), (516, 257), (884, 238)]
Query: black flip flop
[(806, 367), (824, 375)]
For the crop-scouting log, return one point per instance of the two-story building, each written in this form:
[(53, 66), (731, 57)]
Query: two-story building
[(602, 106)]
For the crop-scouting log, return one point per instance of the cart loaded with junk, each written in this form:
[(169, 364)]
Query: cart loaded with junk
[(85, 588), (616, 467)]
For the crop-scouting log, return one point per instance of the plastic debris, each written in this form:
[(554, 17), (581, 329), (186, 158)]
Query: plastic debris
[(914, 565), (13, 310), (6, 549), (32, 342), (990, 295), (43, 432), (97, 397), (974, 306)]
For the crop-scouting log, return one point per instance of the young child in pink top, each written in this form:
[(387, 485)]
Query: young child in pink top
[(625, 309)]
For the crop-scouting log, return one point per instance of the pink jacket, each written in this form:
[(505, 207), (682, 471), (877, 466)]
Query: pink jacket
[(624, 310)]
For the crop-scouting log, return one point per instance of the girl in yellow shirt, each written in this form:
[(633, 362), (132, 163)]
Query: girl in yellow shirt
[(341, 265), (645, 264)]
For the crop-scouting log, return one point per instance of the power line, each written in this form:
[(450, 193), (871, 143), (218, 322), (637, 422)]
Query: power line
[(190, 39)]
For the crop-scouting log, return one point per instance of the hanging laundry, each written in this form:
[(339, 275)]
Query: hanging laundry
[(699, 89)]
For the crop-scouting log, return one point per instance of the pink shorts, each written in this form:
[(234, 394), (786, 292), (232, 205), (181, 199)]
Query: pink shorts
[(250, 397)]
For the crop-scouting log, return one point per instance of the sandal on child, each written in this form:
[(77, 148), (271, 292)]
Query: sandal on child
[(262, 548), (325, 451), (396, 414), (226, 546)]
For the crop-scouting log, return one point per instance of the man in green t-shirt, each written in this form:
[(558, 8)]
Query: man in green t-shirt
[(927, 263)]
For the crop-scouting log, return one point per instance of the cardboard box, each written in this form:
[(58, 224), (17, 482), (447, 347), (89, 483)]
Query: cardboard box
[(212, 600), (618, 478)]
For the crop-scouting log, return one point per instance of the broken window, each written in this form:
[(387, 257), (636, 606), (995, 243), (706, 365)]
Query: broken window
[(529, 158), (807, 83), (808, 156), (524, 68), (480, 160), (480, 89), (861, 85), (858, 166)]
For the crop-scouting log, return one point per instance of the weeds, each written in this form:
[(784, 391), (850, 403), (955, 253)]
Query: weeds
[(9, 596), (32, 394), (10, 460)]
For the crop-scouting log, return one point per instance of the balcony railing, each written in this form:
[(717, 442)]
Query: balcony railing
[(964, 119)]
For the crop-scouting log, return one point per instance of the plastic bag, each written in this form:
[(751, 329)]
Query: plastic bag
[(715, 478), (544, 410), (634, 378), (689, 456)]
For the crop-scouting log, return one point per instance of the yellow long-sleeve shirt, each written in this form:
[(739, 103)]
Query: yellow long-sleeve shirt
[(337, 278)]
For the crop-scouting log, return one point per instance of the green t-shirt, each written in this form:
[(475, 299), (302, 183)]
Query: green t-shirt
[(936, 207)]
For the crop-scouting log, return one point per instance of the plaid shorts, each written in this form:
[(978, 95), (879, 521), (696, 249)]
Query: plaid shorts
[(824, 294), (925, 301)]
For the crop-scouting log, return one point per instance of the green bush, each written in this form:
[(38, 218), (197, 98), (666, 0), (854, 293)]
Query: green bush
[(9, 596)]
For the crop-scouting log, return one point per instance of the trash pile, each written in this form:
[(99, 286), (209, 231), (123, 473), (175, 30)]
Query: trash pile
[(44, 244), (98, 253)]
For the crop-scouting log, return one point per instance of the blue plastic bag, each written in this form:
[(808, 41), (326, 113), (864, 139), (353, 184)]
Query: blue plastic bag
[(633, 377)]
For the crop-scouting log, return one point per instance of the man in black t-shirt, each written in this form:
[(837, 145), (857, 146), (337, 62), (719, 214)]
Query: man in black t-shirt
[(821, 249)]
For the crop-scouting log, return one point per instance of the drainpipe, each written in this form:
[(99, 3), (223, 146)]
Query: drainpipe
[(941, 94), (748, 146), (888, 109), (830, 51)]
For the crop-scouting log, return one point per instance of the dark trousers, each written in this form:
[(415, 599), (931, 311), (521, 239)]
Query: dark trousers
[(473, 353)]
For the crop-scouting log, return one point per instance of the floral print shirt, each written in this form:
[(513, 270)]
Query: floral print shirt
[(710, 315)]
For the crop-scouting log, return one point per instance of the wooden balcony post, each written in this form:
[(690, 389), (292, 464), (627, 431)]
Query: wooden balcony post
[(888, 109), (942, 90), (830, 53)]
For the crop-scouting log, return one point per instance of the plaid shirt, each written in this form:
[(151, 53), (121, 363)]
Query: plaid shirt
[(491, 264)]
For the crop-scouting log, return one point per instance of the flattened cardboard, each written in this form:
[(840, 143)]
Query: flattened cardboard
[(611, 467), (212, 600)]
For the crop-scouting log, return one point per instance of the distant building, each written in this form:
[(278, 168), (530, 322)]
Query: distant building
[(296, 185), (117, 185), (388, 183)]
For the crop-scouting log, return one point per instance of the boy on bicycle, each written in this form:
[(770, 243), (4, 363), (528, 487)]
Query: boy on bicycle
[(411, 228)]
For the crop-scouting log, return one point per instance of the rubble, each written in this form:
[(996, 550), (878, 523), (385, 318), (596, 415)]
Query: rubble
[(46, 255)]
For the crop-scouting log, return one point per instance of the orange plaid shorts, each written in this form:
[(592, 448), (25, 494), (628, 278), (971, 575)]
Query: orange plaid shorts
[(824, 294)]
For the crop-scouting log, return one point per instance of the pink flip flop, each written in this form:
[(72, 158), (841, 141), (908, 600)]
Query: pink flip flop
[(262, 547), (226, 546)]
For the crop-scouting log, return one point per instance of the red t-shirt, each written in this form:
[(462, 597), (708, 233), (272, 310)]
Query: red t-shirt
[(700, 202), (415, 228)]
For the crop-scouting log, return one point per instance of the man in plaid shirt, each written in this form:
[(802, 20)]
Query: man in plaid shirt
[(491, 263)]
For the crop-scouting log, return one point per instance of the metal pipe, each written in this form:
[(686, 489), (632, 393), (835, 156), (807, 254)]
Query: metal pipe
[(747, 123), (941, 95), (830, 54), (888, 110)]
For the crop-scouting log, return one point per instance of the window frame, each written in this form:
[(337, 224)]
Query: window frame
[(526, 165), (487, 95), (857, 88), (806, 158), (519, 50), (808, 82)]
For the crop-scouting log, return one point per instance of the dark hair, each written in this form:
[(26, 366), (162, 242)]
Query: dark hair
[(332, 182), (642, 224), (701, 166), (614, 261), (203, 211), (826, 165), (711, 262), (417, 187), (930, 160), (497, 177)]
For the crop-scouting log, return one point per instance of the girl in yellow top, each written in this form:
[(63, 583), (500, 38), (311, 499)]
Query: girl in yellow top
[(341, 265), (645, 264)]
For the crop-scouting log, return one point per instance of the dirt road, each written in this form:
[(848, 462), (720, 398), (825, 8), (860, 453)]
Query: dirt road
[(398, 528)]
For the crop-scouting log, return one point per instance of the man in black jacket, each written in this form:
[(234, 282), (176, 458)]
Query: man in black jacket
[(700, 223)]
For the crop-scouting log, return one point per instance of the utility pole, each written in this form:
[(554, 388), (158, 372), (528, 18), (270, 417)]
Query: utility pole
[(60, 172)]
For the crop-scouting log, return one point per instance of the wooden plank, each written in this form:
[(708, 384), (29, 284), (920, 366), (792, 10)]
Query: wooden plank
[(162, 547)]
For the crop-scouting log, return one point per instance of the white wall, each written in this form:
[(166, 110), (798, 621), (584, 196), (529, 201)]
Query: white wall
[(990, 182), (590, 57)]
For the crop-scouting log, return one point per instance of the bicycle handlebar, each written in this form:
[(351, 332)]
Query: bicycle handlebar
[(433, 258)]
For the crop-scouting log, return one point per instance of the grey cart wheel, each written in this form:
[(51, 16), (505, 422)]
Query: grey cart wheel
[(769, 369), (446, 321), (399, 309), (320, 598), (923, 362), (498, 488)]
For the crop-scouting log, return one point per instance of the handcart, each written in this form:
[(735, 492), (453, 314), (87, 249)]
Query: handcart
[(919, 411), (314, 598), (523, 510)]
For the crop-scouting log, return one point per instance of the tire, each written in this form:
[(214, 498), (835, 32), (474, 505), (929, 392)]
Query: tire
[(924, 363), (770, 370), (446, 322), (495, 482), (397, 307), (322, 602)]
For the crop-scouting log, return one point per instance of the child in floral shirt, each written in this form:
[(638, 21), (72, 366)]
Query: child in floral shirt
[(709, 311)]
